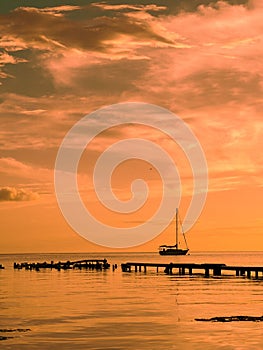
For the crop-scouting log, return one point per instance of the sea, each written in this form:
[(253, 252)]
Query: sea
[(115, 310)]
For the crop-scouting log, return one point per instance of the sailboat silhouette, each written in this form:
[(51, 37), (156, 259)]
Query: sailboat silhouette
[(174, 249)]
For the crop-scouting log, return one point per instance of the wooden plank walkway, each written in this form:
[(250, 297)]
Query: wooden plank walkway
[(193, 268)]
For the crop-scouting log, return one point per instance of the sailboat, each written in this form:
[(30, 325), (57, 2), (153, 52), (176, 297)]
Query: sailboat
[(174, 249)]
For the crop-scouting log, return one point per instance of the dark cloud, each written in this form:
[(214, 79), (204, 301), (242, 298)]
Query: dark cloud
[(89, 34), (179, 4), (110, 79), (28, 79), (51, 37), (7, 6), (17, 195)]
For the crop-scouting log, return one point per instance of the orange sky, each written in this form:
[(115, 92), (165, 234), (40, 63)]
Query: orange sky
[(201, 61)]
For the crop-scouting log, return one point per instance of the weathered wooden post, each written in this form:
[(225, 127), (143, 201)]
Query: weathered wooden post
[(217, 271), (206, 272)]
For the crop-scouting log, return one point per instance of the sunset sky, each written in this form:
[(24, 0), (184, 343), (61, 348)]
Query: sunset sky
[(61, 60)]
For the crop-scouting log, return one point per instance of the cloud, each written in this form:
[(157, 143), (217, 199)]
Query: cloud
[(12, 43), (13, 168), (86, 35), (221, 67), (4, 75), (204, 65), (33, 111), (39, 124), (5, 58), (149, 7), (59, 41), (14, 194), (57, 11), (214, 36)]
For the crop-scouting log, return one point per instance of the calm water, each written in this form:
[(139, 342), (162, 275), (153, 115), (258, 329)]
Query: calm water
[(121, 311)]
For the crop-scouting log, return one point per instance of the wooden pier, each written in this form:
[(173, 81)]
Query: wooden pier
[(192, 268), (91, 264)]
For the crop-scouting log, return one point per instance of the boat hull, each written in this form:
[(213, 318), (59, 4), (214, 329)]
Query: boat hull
[(173, 252)]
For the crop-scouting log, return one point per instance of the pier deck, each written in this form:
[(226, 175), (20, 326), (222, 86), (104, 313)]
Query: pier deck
[(192, 268)]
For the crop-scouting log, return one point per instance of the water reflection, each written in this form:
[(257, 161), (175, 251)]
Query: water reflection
[(113, 310)]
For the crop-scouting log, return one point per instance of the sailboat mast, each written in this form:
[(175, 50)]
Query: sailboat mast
[(176, 228)]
